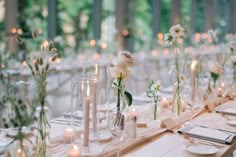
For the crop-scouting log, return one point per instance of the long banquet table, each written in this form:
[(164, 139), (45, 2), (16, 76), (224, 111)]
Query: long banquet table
[(156, 140)]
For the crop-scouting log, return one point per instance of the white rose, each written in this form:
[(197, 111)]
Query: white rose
[(120, 70), (232, 47), (126, 58), (168, 38), (215, 68), (156, 86), (233, 59)]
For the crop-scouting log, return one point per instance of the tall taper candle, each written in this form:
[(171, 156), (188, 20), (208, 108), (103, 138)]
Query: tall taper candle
[(193, 80), (86, 117), (95, 100)]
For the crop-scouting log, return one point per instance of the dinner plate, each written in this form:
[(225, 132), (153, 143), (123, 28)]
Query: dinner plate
[(202, 149), (231, 122), (11, 132)]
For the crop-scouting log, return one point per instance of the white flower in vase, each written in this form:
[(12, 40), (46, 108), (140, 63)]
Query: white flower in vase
[(215, 70), (177, 31), (231, 46), (120, 71), (168, 38), (126, 58), (156, 87), (153, 91), (213, 34)]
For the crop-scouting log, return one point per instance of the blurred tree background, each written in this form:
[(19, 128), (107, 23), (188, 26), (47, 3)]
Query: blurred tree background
[(75, 22)]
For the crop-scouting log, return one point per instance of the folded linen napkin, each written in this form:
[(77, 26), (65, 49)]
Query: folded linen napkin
[(173, 123)]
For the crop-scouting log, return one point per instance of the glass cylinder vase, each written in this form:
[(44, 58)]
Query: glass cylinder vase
[(18, 148), (42, 130), (101, 72), (177, 102), (155, 108), (84, 106)]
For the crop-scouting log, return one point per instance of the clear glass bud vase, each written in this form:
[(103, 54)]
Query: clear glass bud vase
[(177, 102), (155, 108), (43, 131), (18, 148)]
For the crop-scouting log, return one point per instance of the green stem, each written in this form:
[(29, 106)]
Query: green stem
[(155, 111), (234, 65), (118, 94), (177, 92)]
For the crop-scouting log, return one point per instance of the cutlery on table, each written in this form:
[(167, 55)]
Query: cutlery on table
[(200, 141)]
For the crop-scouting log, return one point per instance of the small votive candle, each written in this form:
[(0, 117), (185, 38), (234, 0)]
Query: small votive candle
[(222, 85), (68, 135), (165, 103), (219, 92), (74, 152), (134, 115), (134, 112), (20, 153)]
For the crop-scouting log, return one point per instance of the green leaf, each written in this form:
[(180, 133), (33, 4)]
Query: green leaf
[(128, 98)]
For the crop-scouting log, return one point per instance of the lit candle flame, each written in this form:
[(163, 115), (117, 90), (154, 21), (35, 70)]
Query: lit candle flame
[(96, 69), (69, 129), (193, 65), (88, 91), (92, 42), (24, 63), (19, 150), (13, 30), (58, 60), (75, 147), (160, 36), (104, 45), (82, 86)]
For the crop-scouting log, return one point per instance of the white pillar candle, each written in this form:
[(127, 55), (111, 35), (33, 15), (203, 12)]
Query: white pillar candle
[(74, 152), (193, 80), (86, 117), (68, 135), (95, 100)]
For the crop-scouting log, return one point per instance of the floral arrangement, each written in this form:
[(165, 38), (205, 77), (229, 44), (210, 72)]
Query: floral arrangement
[(176, 32), (214, 35), (16, 114), (232, 49), (39, 68), (121, 72), (153, 91), (215, 71)]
